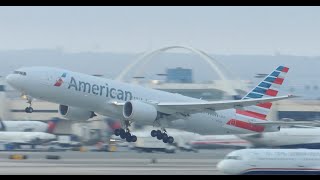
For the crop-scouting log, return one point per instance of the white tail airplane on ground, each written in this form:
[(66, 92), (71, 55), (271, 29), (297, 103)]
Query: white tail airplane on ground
[(26, 138), (271, 161), (81, 96), (23, 126), (27, 132), (28, 126)]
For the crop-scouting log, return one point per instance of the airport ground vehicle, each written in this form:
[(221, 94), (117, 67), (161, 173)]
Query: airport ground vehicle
[(148, 144)]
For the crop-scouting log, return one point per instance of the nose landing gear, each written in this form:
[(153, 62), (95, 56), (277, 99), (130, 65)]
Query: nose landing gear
[(29, 109)]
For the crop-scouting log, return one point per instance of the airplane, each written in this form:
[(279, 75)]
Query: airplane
[(219, 141), (23, 126), (26, 138), (28, 126), (81, 96), (286, 138), (15, 135), (271, 161)]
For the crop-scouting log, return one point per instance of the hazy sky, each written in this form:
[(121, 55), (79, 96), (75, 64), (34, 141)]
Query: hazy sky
[(218, 30)]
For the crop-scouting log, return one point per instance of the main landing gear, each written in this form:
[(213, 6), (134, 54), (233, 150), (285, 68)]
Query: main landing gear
[(162, 136), (125, 133)]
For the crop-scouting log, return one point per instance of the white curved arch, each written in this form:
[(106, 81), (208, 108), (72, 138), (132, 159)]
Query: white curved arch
[(146, 57)]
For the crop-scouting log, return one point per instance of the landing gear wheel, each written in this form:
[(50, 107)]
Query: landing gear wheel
[(122, 131), (165, 140), (122, 134), (159, 136), (158, 132), (170, 140), (129, 138), (164, 136), (28, 110), (133, 138), (154, 133), (117, 132), (127, 134)]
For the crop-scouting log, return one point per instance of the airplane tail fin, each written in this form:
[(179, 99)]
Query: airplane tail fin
[(52, 124), (269, 87)]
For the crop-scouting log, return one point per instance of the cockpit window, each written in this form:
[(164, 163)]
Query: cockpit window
[(234, 157), (20, 72)]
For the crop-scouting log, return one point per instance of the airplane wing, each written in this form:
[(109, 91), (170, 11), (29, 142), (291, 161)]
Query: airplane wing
[(205, 106), (194, 107)]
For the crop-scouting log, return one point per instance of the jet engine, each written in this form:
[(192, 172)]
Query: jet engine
[(74, 113), (139, 111)]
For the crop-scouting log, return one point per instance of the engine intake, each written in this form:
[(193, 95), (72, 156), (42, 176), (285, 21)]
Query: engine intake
[(139, 111), (74, 113)]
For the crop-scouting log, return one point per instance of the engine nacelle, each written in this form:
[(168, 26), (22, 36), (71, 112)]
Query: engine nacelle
[(139, 111), (74, 113)]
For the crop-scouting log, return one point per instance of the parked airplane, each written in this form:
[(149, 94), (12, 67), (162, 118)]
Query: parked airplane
[(286, 138), (27, 132), (81, 96), (271, 161), (26, 138), (219, 141), (28, 126)]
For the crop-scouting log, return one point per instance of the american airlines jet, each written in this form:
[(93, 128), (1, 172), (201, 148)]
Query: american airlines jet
[(81, 96)]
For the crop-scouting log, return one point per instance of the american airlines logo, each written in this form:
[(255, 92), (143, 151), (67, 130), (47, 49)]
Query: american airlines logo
[(99, 90), (59, 81)]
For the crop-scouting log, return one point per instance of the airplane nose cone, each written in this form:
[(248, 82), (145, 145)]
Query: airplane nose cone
[(219, 166), (9, 79), (13, 80)]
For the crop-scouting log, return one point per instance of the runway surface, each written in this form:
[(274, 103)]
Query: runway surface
[(114, 163)]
